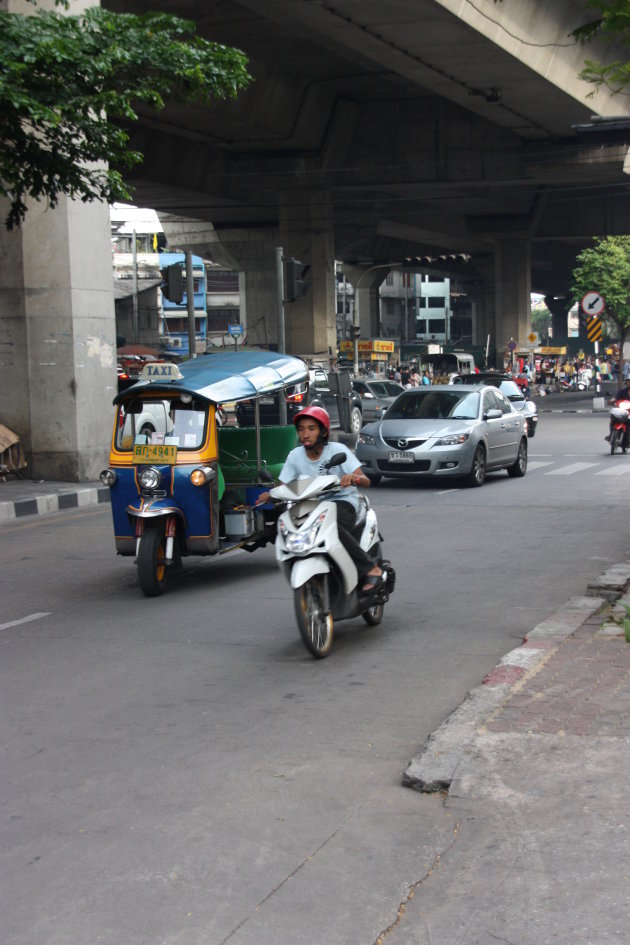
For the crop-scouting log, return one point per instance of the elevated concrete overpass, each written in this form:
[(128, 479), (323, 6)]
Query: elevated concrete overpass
[(376, 131), (373, 131)]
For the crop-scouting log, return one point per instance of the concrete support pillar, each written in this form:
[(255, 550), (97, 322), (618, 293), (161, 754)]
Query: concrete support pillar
[(559, 308), (483, 297), (307, 234), (512, 292), (58, 350)]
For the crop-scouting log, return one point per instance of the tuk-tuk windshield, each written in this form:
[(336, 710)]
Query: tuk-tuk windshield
[(177, 421)]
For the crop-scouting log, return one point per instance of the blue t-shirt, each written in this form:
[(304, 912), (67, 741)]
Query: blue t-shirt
[(299, 466)]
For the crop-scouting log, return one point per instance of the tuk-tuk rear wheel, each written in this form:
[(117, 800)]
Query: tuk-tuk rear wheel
[(151, 567)]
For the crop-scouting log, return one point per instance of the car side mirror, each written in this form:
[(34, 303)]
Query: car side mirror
[(493, 414)]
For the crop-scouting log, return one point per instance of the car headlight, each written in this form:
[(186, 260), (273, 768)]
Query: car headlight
[(366, 439), (455, 439), (150, 477), (303, 541)]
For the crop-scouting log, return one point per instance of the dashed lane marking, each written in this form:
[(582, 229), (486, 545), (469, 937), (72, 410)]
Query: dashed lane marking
[(16, 623)]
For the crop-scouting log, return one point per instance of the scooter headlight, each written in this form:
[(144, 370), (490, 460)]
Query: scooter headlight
[(150, 477), (300, 543)]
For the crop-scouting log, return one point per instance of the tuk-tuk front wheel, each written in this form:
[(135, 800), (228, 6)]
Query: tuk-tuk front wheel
[(151, 567)]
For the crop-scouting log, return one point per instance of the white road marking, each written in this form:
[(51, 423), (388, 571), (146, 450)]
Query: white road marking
[(537, 464), (571, 469), (614, 471), (15, 623), (446, 491)]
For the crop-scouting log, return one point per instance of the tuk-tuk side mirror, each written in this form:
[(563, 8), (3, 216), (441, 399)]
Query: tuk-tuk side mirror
[(264, 475)]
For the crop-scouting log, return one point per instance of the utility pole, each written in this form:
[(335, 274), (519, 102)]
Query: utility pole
[(190, 305)]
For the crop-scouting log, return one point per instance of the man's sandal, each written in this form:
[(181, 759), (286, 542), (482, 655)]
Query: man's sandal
[(371, 582)]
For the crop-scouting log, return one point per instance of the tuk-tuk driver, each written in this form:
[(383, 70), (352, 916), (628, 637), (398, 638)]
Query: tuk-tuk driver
[(309, 459)]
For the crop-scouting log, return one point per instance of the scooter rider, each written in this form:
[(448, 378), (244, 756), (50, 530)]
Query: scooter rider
[(309, 459), (622, 394)]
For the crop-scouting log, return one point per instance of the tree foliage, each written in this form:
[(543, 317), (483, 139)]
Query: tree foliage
[(68, 81), (605, 268), (612, 25)]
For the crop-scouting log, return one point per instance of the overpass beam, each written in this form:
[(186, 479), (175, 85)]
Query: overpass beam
[(58, 351), (559, 307), (512, 266)]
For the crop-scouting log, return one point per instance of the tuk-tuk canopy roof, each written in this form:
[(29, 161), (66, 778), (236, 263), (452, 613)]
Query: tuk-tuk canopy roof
[(228, 375)]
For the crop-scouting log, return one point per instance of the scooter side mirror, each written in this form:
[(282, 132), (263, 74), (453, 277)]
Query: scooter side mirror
[(264, 475), (337, 460)]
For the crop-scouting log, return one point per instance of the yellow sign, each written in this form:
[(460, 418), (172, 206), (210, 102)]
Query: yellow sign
[(594, 329), (552, 350), (532, 338), (368, 347)]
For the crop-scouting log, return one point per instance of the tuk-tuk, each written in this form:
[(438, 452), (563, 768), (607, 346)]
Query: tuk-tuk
[(181, 484)]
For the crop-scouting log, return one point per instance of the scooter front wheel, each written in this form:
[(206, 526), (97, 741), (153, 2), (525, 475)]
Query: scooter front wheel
[(151, 567), (315, 625), (615, 441)]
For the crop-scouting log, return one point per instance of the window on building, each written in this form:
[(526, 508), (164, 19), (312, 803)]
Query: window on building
[(436, 326), (221, 280), (389, 279), (436, 301)]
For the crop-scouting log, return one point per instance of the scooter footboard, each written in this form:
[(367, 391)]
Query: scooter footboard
[(306, 568)]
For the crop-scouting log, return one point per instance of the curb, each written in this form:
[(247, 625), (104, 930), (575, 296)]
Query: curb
[(435, 767), (57, 502)]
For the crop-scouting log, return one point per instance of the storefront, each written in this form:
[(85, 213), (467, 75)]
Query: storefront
[(373, 354)]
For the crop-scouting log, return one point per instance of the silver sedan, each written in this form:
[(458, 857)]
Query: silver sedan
[(446, 431)]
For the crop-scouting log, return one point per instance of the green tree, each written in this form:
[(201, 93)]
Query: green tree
[(611, 24), (541, 323), (68, 85), (605, 268)]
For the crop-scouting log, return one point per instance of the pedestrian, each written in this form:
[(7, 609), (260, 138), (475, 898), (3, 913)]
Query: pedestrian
[(426, 380)]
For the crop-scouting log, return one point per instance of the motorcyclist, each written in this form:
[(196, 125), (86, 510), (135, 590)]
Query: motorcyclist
[(622, 394), (310, 459)]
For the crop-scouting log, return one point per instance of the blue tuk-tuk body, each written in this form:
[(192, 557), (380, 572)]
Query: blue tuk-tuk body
[(180, 484)]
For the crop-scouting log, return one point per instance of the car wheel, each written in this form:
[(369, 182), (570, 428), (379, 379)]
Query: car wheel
[(356, 420), (477, 475), (531, 428), (519, 466)]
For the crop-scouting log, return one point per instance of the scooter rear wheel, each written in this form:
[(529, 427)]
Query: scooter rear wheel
[(315, 625), (373, 615), (615, 441), (151, 567)]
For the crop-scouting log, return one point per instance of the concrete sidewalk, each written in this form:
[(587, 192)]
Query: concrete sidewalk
[(534, 769)]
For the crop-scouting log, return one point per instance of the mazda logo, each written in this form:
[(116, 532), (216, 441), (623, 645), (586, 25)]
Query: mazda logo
[(402, 443)]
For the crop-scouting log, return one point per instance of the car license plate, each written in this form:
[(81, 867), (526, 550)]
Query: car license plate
[(154, 453), (396, 456)]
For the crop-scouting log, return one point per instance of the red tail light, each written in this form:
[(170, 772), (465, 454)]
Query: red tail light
[(295, 398)]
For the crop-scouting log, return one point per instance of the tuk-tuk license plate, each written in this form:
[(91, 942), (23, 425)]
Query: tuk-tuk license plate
[(396, 456), (154, 453)]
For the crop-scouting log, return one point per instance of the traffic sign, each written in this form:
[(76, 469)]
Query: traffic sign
[(235, 329), (532, 338), (593, 303), (594, 329), (512, 345)]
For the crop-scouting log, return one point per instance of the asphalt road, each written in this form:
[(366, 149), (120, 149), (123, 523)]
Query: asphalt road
[(181, 771)]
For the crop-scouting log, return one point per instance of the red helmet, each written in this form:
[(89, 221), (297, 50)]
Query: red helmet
[(317, 413)]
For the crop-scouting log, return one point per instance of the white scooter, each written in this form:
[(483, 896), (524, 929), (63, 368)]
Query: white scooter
[(322, 574)]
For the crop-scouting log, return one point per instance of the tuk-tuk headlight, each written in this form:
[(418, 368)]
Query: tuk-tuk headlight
[(199, 477), (108, 477), (150, 477)]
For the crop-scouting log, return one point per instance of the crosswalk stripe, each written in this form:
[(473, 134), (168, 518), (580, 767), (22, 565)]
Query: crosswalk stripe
[(614, 471), (537, 464), (571, 469)]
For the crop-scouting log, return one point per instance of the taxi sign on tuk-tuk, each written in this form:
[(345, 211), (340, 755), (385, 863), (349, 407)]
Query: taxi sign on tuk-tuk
[(160, 371)]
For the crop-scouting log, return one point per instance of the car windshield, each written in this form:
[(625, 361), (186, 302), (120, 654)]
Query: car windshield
[(168, 421), (509, 389), (435, 405)]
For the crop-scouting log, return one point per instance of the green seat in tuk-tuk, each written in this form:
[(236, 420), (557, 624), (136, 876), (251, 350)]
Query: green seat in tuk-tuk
[(237, 452)]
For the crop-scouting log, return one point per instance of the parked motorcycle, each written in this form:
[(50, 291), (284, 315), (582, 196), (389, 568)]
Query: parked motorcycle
[(620, 415), (323, 576)]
